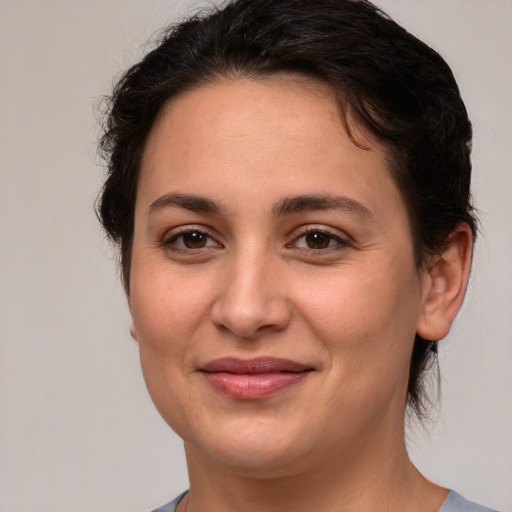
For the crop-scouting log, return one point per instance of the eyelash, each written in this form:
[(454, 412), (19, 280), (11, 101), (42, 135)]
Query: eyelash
[(171, 241), (340, 242)]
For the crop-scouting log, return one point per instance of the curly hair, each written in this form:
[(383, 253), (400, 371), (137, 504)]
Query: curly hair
[(398, 88)]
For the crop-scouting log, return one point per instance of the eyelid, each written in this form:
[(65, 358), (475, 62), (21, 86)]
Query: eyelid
[(342, 240), (169, 238)]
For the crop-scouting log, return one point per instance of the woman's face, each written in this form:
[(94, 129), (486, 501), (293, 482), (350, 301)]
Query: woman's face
[(273, 289)]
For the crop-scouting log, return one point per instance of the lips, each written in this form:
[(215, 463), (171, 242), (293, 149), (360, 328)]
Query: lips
[(255, 378)]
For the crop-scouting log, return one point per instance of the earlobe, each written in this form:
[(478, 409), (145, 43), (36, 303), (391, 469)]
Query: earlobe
[(445, 285), (133, 331)]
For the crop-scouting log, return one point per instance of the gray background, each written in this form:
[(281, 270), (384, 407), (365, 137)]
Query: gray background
[(77, 430)]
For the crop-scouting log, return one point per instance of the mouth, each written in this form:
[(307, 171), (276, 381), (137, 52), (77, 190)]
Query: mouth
[(255, 378)]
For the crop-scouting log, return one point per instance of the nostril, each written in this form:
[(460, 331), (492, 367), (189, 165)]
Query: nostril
[(250, 301), (250, 321)]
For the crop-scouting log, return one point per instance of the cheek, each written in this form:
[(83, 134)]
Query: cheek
[(354, 303), (366, 320), (166, 307), (165, 316), (169, 311)]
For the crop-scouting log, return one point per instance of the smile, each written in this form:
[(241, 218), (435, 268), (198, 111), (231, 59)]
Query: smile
[(253, 379)]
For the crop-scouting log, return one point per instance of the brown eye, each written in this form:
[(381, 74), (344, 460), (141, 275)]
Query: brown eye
[(317, 240), (190, 241), (194, 240)]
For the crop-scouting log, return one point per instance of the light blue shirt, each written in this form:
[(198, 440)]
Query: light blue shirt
[(453, 503)]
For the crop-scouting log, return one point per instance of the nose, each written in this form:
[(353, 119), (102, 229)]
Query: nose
[(252, 299)]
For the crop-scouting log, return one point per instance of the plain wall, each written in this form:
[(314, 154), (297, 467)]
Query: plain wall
[(77, 429)]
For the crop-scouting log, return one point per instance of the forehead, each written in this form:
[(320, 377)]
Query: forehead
[(285, 132), (226, 112)]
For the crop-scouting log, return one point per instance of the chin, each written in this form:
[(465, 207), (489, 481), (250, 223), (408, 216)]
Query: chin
[(252, 447)]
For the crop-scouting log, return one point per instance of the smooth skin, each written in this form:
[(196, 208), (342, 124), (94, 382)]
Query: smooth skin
[(261, 229)]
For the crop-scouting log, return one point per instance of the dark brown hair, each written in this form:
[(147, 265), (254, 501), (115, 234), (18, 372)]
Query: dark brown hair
[(398, 88)]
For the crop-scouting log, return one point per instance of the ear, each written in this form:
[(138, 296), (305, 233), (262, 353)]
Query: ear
[(133, 331), (444, 285)]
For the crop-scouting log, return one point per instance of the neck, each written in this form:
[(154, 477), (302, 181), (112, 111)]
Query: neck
[(369, 475)]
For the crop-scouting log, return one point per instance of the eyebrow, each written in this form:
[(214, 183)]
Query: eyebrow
[(308, 203), (190, 202), (286, 206)]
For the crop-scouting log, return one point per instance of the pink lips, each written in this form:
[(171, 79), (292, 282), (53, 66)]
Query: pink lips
[(253, 379)]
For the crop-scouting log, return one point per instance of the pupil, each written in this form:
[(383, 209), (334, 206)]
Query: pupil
[(317, 240), (194, 240)]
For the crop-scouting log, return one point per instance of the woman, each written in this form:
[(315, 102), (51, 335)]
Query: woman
[(289, 184)]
